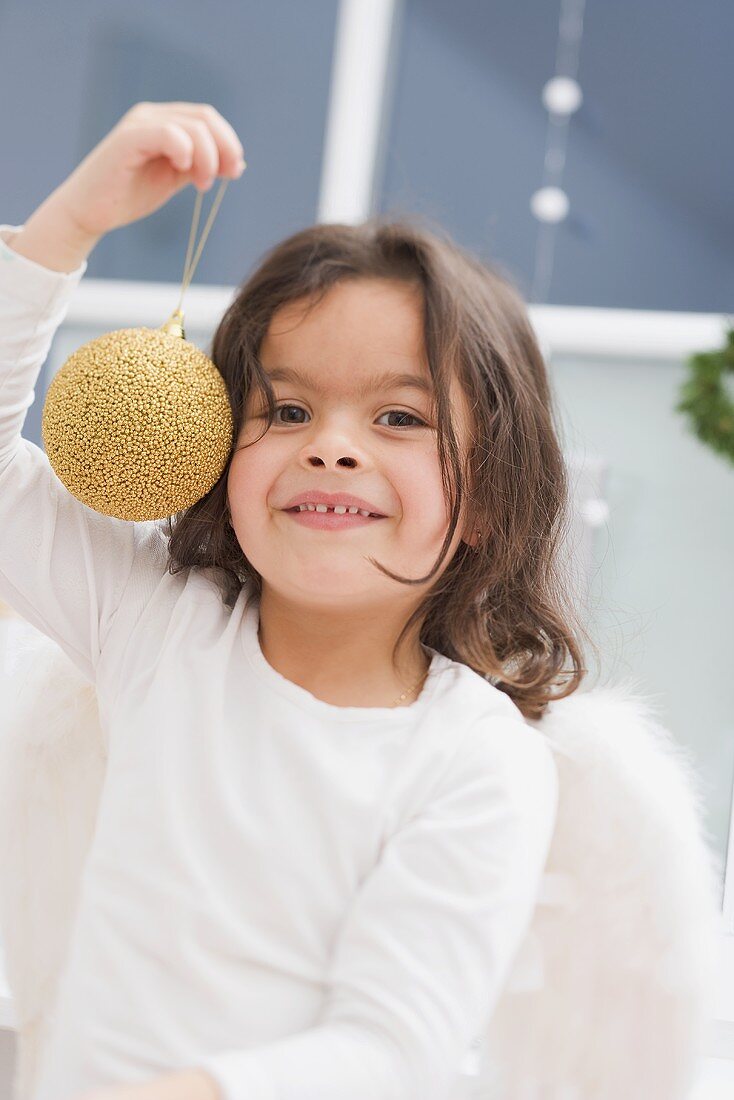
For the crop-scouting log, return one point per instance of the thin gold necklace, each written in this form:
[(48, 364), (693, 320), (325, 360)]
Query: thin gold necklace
[(415, 685), (400, 699)]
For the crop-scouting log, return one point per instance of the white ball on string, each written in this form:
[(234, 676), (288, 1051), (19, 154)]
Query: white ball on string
[(562, 95), (549, 204)]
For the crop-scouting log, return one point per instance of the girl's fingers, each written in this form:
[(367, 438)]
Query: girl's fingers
[(216, 147), (206, 158), (229, 145), (195, 138), (163, 138)]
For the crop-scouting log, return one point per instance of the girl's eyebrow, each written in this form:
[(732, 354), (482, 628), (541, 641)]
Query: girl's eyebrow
[(389, 380)]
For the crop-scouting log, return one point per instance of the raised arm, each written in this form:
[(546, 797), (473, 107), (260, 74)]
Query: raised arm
[(63, 566)]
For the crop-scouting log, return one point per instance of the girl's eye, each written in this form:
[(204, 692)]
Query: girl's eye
[(397, 412)]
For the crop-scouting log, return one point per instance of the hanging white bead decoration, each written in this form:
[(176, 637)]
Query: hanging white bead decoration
[(550, 204), (562, 96)]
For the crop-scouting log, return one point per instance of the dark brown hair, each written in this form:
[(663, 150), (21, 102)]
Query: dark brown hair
[(503, 609)]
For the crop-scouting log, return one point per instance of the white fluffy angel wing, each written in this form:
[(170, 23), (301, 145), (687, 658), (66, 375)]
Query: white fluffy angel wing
[(52, 761), (613, 989)]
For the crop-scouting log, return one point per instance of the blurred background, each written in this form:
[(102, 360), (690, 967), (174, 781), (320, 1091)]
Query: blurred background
[(584, 148)]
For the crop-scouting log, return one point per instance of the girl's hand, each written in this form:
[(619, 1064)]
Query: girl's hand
[(154, 151), (188, 1084)]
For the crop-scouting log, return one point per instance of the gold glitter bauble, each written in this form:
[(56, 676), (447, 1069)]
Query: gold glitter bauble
[(137, 423)]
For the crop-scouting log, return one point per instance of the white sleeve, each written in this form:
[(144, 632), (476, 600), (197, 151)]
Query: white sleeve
[(63, 566), (426, 947)]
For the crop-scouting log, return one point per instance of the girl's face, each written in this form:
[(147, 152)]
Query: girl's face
[(338, 428)]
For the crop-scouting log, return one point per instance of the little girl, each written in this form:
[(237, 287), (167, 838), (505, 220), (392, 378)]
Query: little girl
[(324, 817)]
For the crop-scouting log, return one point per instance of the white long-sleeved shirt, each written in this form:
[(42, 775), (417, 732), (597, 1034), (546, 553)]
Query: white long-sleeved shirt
[(311, 902)]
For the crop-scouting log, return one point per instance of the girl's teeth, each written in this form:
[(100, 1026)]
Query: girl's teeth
[(339, 509)]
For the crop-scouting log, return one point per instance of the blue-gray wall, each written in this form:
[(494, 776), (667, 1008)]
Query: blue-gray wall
[(649, 166), (650, 161), (70, 71)]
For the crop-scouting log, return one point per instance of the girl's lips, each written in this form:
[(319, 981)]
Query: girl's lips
[(331, 521)]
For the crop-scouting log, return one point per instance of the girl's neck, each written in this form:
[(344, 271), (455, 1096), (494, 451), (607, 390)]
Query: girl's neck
[(342, 660)]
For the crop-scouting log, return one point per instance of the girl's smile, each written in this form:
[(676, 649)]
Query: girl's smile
[(324, 520)]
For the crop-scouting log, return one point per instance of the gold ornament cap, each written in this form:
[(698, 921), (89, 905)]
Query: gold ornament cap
[(174, 326)]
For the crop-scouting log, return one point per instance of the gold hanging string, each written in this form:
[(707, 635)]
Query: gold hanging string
[(174, 325), (204, 235)]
